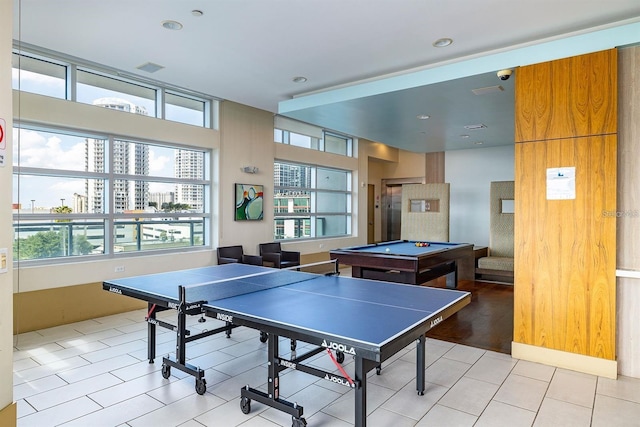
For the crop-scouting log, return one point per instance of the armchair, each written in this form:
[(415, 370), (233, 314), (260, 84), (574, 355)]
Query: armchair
[(498, 264), (233, 254), (273, 253)]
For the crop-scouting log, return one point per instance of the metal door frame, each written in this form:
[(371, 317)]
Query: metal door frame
[(393, 182)]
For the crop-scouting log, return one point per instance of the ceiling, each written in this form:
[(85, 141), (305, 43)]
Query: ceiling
[(370, 65)]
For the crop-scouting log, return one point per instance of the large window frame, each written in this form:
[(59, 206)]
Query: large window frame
[(115, 232), (167, 103), (313, 202)]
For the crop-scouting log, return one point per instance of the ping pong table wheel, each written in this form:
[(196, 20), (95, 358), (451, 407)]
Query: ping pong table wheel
[(298, 422), (339, 357), (245, 405), (378, 369), (166, 371), (201, 386), (263, 336)]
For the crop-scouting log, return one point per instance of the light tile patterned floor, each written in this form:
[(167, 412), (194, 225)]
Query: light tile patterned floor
[(96, 373)]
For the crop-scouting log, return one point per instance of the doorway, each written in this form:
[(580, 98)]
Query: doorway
[(392, 206)]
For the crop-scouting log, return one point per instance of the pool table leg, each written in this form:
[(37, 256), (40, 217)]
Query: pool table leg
[(356, 271), (452, 278)]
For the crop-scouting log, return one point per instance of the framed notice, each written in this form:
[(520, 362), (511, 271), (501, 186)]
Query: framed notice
[(561, 183)]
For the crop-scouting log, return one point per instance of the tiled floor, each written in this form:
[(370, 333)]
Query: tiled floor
[(96, 373)]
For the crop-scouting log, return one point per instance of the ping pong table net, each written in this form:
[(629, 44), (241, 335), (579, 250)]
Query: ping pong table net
[(256, 282)]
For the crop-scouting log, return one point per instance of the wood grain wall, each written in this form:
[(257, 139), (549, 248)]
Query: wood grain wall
[(434, 171), (564, 294), (567, 98)]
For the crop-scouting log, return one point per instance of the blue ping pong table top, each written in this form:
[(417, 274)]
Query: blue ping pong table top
[(365, 311)]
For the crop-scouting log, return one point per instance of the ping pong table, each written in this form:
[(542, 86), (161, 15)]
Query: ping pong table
[(365, 319)]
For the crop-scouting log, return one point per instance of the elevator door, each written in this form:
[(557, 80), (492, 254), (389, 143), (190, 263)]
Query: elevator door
[(394, 211)]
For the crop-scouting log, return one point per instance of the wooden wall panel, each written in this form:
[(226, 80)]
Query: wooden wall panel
[(565, 249), (434, 171), (567, 98), (564, 281)]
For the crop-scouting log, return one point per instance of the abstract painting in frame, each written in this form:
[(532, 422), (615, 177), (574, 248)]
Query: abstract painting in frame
[(249, 198)]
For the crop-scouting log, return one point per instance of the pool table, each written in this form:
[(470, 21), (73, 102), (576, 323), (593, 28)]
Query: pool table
[(402, 261)]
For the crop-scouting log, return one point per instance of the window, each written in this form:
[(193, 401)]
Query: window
[(56, 77), (311, 201), (76, 194), (184, 110), (291, 132), (115, 94), (38, 76), (330, 143), (337, 144)]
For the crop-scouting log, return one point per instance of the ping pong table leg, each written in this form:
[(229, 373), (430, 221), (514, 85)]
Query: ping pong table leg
[(362, 366), (361, 393), (151, 333), (420, 364)]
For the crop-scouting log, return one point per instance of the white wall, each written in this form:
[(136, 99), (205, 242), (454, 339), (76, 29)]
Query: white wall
[(470, 173)]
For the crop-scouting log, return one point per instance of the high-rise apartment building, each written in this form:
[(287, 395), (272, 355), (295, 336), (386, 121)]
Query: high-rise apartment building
[(128, 158), (190, 164)]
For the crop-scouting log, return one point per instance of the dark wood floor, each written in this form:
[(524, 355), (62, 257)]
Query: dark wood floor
[(487, 322)]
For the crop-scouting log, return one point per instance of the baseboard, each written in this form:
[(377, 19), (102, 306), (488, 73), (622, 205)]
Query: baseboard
[(562, 359), (9, 415)]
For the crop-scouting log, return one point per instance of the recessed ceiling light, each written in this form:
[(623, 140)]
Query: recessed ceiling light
[(299, 79), (464, 136), (422, 116), (443, 42), (196, 12), (478, 143), (172, 25)]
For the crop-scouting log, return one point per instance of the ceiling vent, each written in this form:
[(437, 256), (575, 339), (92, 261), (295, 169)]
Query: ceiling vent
[(150, 67), (486, 90), (475, 127)]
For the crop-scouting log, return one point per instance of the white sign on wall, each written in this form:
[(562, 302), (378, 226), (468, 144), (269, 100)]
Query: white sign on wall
[(561, 183)]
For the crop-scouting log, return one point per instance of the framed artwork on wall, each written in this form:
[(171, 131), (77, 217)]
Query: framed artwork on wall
[(249, 198)]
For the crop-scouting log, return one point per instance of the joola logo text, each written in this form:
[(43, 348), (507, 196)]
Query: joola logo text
[(337, 380), (115, 291), (338, 347), (435, 321), (224, 317)]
